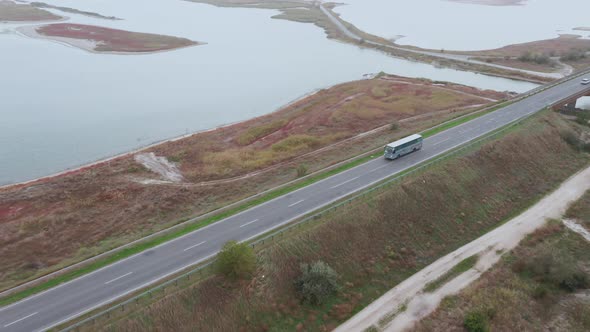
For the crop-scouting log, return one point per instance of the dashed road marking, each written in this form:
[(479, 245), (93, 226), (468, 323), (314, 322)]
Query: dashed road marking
[(292, 205), (248, 223), (345, 182), (21, 319), (196, 245), (117, 278)]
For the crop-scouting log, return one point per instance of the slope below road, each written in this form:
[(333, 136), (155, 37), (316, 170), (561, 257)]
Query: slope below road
[(489, 247)]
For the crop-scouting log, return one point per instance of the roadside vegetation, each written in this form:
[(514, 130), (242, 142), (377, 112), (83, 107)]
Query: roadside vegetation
[(59, 221), (236, 260), (379, 240), (541, 285)]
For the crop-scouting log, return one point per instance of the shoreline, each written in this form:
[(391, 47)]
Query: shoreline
[(101, 161), (30, 31)]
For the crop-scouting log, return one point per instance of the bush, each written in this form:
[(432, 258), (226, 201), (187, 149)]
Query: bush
[(540, 292), (476, 321), (236, 260), (571, 138), (394, 126), (301, 170), (540, 59), (573, 55), (557, 268), (583, 118), (317, 283)]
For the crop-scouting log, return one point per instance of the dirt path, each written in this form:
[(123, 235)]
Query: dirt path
[(386, 312), (575, 227)]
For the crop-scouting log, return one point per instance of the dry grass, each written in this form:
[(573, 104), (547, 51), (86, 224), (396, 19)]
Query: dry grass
[(512, 300), (557, 46), (55, 222), (378, 241)]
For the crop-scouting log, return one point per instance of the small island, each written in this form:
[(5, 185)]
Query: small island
[(13, 12), (105, 40)]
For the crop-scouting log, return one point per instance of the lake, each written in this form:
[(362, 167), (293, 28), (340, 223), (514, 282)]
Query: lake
[(441, 24), (62, 107)]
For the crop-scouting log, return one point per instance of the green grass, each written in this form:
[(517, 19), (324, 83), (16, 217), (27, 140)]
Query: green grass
[(135, 249), (461, 267)]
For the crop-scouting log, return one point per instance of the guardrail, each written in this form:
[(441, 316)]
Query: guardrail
[(187, 278)]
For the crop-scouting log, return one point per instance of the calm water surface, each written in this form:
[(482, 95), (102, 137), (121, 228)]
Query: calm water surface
[(62, 107), (441, 24)]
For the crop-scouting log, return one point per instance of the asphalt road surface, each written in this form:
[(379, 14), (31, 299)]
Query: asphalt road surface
[(71, 299)]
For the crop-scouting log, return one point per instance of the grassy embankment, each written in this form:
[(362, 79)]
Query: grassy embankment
[(380, 240), (109, 194), (538, 286)]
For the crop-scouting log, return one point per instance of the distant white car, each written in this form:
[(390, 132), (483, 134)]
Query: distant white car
[(586, 81)]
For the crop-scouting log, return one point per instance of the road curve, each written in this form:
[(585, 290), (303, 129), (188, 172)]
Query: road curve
[(72, 299)]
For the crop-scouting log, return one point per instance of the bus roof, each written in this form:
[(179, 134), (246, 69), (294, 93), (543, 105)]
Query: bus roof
[(404, 140)]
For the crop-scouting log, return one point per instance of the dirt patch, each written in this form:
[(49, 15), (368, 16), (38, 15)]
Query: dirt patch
[(93, 209), (106, 40), (13, 12), (159, 165)]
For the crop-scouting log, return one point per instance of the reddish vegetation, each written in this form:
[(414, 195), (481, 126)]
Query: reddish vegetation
[(113, 40), (84, 212)]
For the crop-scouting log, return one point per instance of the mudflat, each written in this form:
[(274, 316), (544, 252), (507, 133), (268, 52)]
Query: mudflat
[(105, 40)]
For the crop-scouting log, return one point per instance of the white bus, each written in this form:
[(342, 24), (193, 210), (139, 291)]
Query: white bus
[(403, 146)]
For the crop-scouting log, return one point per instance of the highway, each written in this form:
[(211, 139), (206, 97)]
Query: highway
[(71, 299)]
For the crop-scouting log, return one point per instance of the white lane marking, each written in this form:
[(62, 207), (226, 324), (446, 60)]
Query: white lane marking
[(378, 168), (248, 223), (292, 205), (440, 142), (345, 182), (21, 319), (196, 245), (117, 278), (57, 323)]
